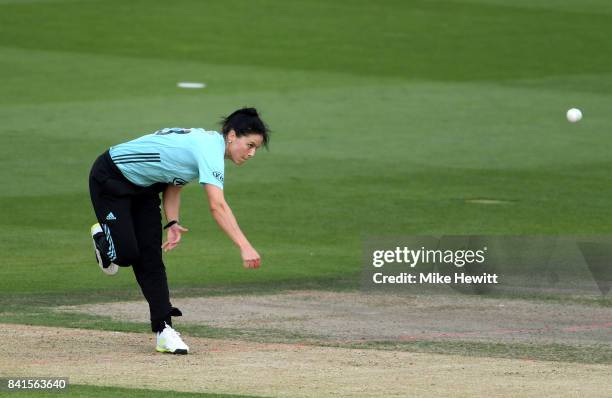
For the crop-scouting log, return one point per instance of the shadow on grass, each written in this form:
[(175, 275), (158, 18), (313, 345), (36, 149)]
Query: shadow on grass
[(17, 301)]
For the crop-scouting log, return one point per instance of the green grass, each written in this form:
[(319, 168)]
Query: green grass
[(434, 40), (78, 391), (386, 118)]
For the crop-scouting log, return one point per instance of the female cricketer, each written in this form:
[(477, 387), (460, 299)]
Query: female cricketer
[(125, 185)]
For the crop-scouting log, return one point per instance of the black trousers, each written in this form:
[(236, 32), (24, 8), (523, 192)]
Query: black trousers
[(130, 216)]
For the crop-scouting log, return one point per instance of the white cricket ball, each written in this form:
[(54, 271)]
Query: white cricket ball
[(574, 115)]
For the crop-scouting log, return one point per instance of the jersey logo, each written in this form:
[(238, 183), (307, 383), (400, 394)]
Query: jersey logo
[(111, 217), (173, 130), (218, 176), (179, 181)]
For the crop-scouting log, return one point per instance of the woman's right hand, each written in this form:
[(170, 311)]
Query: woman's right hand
[(250, 257), (173, 236)]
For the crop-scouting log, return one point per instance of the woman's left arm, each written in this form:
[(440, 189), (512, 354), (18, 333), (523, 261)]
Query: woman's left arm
[(172, 203)]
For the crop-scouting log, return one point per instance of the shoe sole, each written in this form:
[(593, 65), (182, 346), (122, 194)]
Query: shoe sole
[(178, 351), (112, 269)]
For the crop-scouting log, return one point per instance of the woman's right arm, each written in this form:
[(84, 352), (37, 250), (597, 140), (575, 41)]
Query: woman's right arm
[(224, 217)]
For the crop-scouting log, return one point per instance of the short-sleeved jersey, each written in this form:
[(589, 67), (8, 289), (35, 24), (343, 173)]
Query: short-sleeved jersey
[(172, 156)]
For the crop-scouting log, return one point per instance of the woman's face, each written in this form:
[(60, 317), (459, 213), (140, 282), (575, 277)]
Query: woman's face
[(241, 149)]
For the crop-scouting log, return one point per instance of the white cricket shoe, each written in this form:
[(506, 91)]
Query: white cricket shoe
[(169, 340), (97, 235)]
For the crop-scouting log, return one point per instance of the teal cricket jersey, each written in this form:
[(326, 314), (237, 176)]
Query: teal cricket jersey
[(172, 156)]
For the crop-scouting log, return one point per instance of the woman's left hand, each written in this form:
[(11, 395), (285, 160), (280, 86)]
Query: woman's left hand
[(173, 237)]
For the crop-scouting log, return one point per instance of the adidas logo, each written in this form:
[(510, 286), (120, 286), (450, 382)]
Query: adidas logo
[(111, 217)]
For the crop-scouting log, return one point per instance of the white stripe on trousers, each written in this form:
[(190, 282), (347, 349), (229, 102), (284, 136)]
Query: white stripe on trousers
[(111, 246)]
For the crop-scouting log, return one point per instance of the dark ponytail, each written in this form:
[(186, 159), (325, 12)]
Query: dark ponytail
[(245, 121)]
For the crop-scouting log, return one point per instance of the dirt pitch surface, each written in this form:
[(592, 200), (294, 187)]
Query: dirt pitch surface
[(356, 317), (283, 370)]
